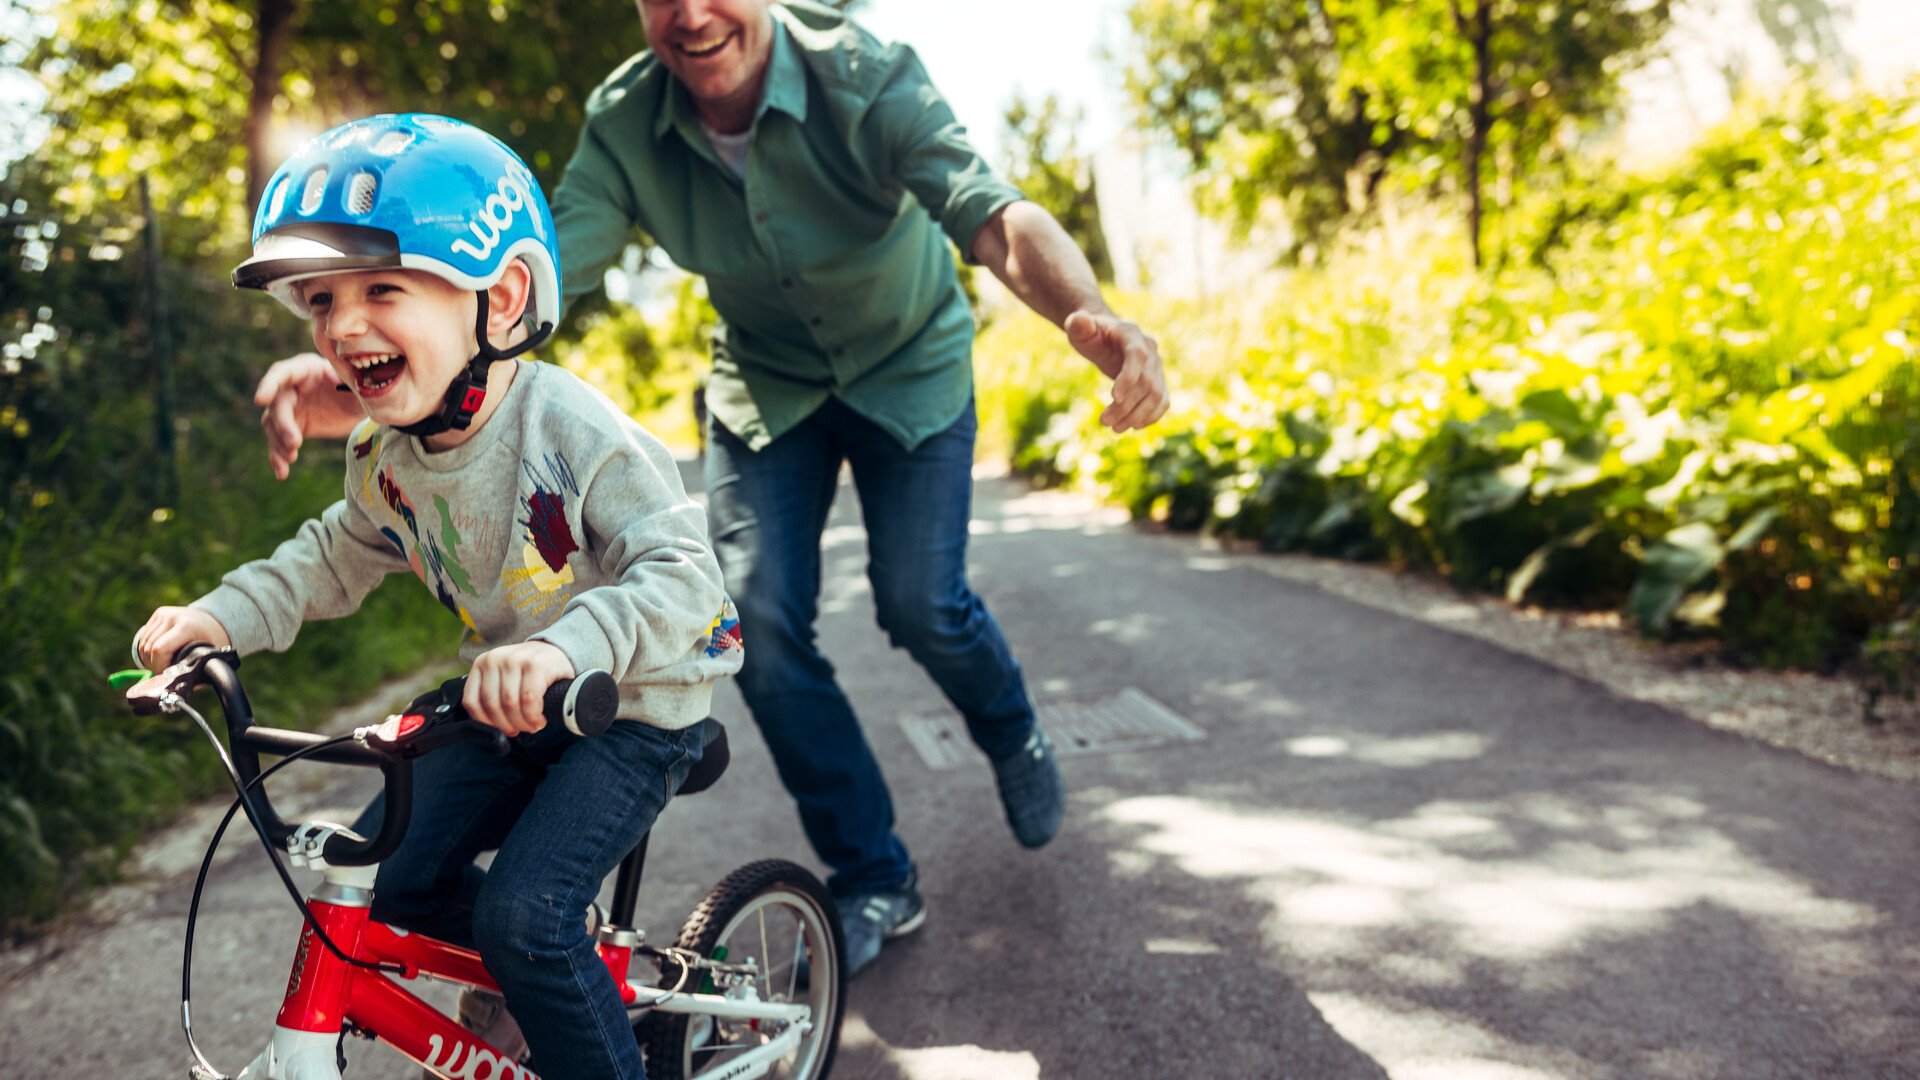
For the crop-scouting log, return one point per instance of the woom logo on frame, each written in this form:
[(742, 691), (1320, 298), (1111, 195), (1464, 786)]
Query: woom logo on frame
[(466, 1061)]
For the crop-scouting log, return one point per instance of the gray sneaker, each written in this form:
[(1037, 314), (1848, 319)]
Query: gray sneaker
[(871, 919), (1032, 790), (484, 1013)]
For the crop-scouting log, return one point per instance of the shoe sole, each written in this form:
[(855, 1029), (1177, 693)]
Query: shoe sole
[(906, 927)]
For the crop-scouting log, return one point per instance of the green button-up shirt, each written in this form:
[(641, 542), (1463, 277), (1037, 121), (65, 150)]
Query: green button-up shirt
[(826, 263)]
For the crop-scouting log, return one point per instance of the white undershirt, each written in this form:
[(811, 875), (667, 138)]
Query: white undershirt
[(731, 148)]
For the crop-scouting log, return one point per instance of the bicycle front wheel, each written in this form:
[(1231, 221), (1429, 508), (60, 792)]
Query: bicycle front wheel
[(778, 917)]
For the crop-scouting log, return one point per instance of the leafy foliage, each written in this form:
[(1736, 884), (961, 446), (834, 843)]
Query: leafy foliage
[(164, 90), (1044, 161), (89, 544), (1312, 106), (90, 540), (1699, 405)]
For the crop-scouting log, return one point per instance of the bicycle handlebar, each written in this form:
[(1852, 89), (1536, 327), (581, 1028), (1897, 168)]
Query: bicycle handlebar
[(584, 706)]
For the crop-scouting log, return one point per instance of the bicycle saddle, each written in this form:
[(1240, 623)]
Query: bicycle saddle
[(713, 761)]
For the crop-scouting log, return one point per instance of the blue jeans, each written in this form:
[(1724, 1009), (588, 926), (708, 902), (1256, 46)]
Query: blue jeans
[(562, 812), (768, 509)]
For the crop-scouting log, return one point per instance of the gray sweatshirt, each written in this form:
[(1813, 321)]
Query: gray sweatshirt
[(560, 520)]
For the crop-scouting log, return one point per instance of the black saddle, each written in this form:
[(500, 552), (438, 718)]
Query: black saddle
[(713, 761)]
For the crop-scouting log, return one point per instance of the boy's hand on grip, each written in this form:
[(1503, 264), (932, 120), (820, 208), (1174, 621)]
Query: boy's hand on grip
[(509, 684), (170, 629)]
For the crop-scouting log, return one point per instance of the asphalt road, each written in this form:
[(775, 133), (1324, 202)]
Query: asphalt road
[(1396, 852)]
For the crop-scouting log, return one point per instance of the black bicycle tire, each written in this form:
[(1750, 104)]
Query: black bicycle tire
[(664, 1035)]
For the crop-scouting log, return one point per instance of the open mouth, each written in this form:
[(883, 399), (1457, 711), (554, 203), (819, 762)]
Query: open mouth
[(701, 50), (375, 373)]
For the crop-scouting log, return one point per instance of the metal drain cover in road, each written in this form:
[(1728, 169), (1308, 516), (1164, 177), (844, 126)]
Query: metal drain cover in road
[(1128, 720)]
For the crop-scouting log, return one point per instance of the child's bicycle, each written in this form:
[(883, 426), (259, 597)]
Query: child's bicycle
[(751, 988)]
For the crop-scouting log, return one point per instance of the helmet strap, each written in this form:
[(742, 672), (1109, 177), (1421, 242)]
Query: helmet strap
[(468, 391)]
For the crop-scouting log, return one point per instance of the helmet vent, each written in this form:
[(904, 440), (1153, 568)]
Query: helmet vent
[(393, 142), (360, 192), (278, 201), (316, 187)]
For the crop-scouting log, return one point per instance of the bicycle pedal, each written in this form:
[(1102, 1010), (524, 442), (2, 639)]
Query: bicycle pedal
[(200, 1072)]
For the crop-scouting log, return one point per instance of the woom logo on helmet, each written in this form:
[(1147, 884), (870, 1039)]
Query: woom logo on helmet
[(512, 194)]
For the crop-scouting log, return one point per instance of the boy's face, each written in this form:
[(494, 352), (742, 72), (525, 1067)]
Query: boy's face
[(396, 337)]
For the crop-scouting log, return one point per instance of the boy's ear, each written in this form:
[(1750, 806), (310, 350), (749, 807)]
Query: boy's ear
[(507, 299)]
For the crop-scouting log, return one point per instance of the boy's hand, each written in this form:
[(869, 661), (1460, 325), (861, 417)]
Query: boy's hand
[(509, 684), (170, 629), (300, 401)]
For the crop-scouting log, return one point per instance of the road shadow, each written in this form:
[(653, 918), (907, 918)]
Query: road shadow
[(1399, 851)]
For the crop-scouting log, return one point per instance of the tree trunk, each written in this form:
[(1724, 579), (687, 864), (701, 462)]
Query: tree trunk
[(274, 24), (1478, 29)]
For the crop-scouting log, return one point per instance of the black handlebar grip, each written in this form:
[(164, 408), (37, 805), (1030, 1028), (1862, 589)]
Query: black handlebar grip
[(583, 705)]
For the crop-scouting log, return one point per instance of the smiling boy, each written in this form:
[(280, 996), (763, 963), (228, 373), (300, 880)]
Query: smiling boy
[(555, 528)]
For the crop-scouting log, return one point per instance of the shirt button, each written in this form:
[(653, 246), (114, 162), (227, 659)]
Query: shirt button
[(815, 321), (839, 351), (786, 283), (761, 217)]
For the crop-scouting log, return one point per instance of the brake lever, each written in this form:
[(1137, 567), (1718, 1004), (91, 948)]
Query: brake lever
[(161, 691), (432, 721)]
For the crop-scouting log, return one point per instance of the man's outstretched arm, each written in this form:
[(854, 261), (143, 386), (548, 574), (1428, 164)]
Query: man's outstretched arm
[(300, 400), (1035, 258)]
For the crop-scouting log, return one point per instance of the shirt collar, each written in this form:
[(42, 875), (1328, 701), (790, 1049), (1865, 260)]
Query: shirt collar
[(786, 90)]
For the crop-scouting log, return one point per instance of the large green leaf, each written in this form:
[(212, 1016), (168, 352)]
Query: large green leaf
[(1484, 492), (1672, 566)]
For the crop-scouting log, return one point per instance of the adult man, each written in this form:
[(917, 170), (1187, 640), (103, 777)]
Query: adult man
[(813, 176)]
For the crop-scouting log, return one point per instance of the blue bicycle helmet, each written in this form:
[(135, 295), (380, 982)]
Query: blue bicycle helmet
[(417, 191)]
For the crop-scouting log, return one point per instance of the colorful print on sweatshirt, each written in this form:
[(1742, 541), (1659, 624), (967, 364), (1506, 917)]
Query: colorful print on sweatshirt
[(724, 634), (540, 584)]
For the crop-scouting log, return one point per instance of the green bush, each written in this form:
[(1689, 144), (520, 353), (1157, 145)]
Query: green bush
[(1693, 398), (80, 777), (97, 528)]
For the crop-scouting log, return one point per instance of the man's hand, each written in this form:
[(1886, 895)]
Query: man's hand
[(1131, 359), (1035, 258), (170, 629), (509, 684), (300, 400)]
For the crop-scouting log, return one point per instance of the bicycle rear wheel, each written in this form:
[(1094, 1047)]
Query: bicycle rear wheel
[(772, 913)]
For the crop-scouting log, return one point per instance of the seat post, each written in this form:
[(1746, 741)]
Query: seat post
[(626, 885)]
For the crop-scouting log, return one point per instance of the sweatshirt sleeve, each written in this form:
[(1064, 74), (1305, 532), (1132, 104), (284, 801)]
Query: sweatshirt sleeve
[(651, 539), (324, 572), (593, 217)]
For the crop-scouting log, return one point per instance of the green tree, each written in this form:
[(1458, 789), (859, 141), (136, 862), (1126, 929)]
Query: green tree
[(1250, 91), (1316, 102), (1043, 159), (198, 94)]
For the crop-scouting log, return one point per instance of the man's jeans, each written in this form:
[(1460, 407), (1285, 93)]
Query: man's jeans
[(768, 510), (562, 812)]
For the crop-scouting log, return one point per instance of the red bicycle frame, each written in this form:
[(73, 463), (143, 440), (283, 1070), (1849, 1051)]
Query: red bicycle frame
[(326, 994)]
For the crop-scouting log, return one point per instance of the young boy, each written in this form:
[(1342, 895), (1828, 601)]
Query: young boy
[(555, 529)]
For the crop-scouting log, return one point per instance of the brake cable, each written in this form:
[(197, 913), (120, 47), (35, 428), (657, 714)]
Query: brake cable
[(242, 802)]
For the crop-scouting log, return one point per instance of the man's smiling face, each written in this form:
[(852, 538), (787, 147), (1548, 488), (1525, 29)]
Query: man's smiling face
[(718, 48)]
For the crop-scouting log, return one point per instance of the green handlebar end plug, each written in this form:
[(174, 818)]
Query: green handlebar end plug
[(120, 680)]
